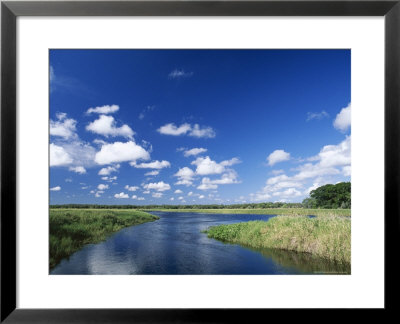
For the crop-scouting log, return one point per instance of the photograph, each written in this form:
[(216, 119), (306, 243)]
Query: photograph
[(199, 161)]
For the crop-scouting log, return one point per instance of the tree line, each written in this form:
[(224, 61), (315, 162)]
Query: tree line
[(330, 196)]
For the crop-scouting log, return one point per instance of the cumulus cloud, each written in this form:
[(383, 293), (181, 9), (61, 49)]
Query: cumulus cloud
[(159, 186), (102, 186), (103, 110), (121, 195), (342, 121), (178, 191), (194, 151), (157, 195), (187, 129), (206, 166), (120, 152), (63, 127), (227, 178), (57, 188), (78, 169), (277, 156), (108, 170), (206, 184), (185, 176), (58, 156), (105, 126), (152, 165), (331, 161), (131, 188)]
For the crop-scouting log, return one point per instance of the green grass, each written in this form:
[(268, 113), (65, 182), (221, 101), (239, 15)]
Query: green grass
[(325, 237), (269, 211), (71, 229)]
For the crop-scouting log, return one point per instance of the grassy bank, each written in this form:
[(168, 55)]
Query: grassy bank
[(325, 237), (71, 229), (269, 211)]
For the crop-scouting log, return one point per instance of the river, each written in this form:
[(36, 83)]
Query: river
[(175, 244)]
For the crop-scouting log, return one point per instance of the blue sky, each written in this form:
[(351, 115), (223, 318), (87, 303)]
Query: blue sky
[(197, 126)]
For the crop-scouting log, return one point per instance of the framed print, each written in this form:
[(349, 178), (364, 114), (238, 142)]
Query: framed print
[(178, 148)]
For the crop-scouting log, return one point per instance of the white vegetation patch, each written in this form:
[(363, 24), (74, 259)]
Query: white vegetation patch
[(63, 127), (185, 176), (187, 129), (78, 169), (105, 126), (152, 165), (194, 151), (131, 188), (58, 156), (121, 195), (159, 186), (57, 188), (342, 121), (103, 110), (120, 152), (277, 156)]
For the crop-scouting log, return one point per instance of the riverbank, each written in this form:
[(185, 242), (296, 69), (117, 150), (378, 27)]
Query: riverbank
[(326, 237), (267, 211), (71, 229)]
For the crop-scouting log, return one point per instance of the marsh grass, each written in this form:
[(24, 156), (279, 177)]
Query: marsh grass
[(71, 229), (267, 211), (325, 237)]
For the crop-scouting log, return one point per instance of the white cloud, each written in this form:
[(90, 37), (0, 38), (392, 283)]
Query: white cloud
[(108, 170), (120, 152), (180, 198), (102, 186), (58, 156), (317, 116), (131, 188), (57, 188), (194, 131), (103, 109), (121, 195), (152, 165), (277, 156), (178, 191), (140, 198), (159, 186), (206, 184), (201, 196), (157, 195), (346, 171), (63, 127), (206, 166), (190, 193), (105, 126), (152, 173), (194, 151), (109, 179), (171, 129), (78, 169), (342, 121), (134, 197), (98, 194), (206, 132), (179, 74), (288, 193), (185, 176), (172, 199)]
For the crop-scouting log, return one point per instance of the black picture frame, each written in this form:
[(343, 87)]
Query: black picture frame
[(10, 10)]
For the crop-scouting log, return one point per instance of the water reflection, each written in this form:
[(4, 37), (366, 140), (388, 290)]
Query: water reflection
[(175, 244)]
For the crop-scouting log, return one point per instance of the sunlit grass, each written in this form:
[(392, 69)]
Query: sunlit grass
[(325, 237), (268, 211), (71, 229)]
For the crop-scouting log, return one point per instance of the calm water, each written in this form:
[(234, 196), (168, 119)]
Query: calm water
[(174, 244)]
